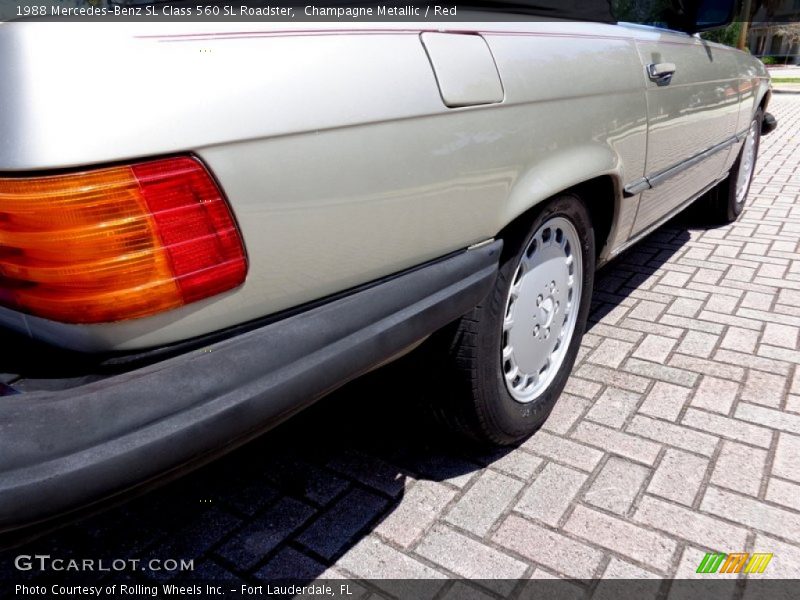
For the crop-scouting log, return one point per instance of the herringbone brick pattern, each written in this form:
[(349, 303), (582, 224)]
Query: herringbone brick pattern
[(678, 434)]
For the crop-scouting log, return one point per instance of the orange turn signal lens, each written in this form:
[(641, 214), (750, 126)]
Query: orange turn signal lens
[(116, 243)]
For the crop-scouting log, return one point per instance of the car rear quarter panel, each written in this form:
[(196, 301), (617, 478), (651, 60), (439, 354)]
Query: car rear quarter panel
[(336, 151)]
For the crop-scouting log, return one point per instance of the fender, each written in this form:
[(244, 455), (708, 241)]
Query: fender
[(566, 169)]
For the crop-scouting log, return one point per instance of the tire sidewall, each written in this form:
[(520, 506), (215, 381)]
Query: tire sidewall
[(497, 409)]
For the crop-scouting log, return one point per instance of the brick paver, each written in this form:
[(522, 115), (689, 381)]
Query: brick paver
[(679, 433)]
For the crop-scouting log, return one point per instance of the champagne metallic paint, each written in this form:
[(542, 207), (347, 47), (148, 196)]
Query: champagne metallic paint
[(339, 157)]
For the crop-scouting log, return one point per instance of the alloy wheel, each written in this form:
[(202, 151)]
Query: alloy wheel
[(747, 164), (541, 309)]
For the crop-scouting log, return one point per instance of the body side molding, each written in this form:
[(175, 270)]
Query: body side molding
[(646, 183)]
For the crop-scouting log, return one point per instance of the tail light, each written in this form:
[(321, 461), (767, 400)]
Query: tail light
[(116, 243)]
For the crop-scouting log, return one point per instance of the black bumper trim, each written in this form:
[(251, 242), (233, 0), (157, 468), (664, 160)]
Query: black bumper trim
[(62, 450)]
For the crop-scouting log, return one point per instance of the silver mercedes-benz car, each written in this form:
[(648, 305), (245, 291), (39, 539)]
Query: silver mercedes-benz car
[(205, 227)]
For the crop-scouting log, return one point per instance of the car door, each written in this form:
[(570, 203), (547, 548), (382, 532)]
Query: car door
[(692, 110)]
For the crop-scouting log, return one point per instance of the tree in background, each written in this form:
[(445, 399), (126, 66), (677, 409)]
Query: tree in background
[(728, 35), (769, 6), (791, 32), (748, 13)]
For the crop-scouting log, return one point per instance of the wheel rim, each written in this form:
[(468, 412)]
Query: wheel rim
[(747, 163), (542, 309)]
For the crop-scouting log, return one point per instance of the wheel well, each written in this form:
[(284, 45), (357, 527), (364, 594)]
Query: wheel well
[(598, 194), (765, 101)]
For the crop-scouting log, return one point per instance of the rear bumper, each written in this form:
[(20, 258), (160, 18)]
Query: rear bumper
[(60, 451)]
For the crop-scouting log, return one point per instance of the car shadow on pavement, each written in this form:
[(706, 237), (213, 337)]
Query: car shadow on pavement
[(633, 270), (288, 504), (292, 502)]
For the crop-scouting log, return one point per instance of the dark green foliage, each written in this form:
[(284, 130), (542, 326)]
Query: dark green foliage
[(728, 35)]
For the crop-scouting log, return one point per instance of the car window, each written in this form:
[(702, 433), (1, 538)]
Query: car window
[(667, 14)]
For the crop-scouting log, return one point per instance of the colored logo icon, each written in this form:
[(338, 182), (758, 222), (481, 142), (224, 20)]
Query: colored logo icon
[(719, 562)]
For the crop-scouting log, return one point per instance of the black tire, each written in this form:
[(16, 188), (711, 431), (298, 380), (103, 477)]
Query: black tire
[(721, 204), (471, 396)]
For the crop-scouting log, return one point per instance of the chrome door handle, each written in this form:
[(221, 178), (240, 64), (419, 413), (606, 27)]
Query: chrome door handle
[(661, 73)]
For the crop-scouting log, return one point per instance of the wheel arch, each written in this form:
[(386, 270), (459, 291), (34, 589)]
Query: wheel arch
[(764, 101), (597, 183)]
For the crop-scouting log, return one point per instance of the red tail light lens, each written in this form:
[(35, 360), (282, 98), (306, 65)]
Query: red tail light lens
[(116, 243)]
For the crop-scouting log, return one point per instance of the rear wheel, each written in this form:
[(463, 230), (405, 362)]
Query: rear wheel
[(508, 360), (726, 201)]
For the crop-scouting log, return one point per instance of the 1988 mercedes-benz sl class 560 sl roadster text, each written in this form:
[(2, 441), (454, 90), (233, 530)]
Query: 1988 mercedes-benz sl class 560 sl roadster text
[(204, 229)]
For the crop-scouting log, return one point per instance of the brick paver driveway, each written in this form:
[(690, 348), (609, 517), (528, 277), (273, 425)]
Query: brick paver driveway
[(679, 434)]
